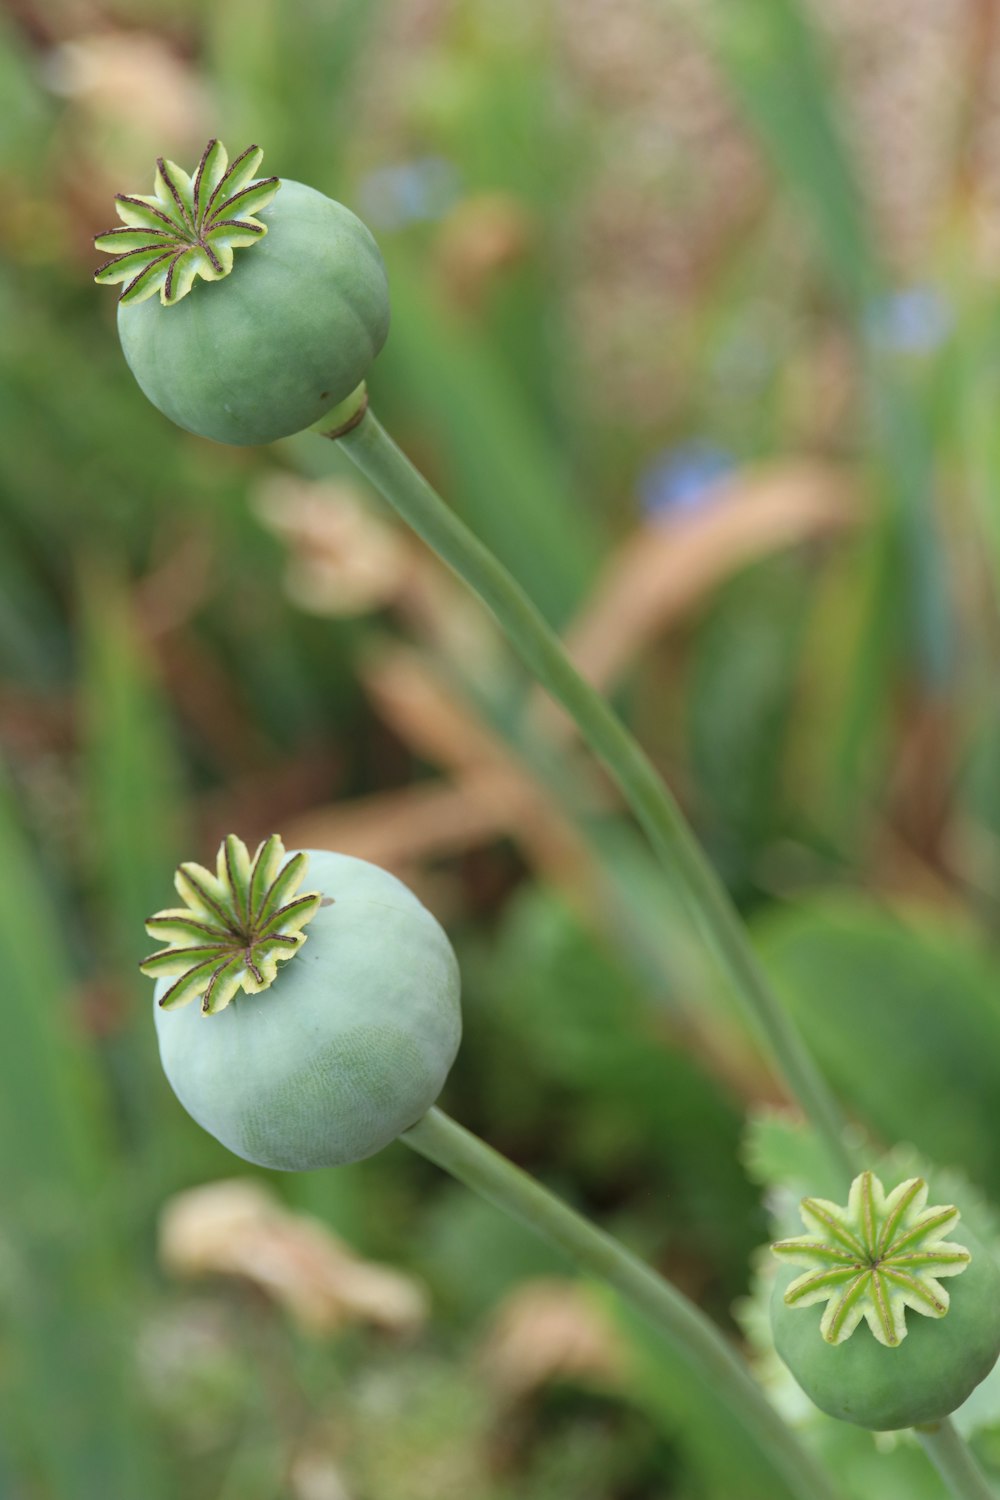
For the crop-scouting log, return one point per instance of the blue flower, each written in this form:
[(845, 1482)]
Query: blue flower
[(911, 320), (683, 480), (408, 192)]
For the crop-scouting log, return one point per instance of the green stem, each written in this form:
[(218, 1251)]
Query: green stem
[(391, 472), (953, 1460), (684, 1327)]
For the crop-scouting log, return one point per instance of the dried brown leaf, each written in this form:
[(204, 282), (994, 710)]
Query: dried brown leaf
[(315, 1476), (431, 820), (549, 1330), (134, 85), (497, 794), (425, 711), (343, 560), (240, 1228), (665, 570), (485, 234)]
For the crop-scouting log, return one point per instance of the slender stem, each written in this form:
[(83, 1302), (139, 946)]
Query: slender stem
[(391, 472), (683, 1325), (954, 1461)]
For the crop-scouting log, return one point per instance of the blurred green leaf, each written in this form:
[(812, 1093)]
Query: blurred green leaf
[(773, 57), (25, 112), (684, 1406), (133, 776), (500, 469), (66, 1298), (474, 1254), (740, 692), (53, 1125), (584, 1023), (779, 1151), (902, 1015), (776, 66), (138, 824), (285, 70), (856, 758), (971, 396)]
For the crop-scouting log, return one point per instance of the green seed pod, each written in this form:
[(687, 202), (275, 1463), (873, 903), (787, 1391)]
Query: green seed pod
[(332, 1058), (281, 332), (870, 1263)]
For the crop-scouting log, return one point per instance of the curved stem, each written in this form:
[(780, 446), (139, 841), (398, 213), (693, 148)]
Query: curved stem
[(684, 1327), (954, 1461), (391, 472)]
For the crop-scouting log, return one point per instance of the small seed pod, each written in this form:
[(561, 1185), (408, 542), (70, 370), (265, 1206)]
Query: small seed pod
[(284, 329), (330, 1058), (869, 1263)]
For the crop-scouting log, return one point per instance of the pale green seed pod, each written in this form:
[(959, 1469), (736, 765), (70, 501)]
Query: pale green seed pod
[(251, 306), (333, 1056)]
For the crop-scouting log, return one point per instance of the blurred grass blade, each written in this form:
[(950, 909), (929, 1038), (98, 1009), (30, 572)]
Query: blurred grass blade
[(775, 65), (902, 428), (774, 61), (504, 476), (975, 392), (922, 992), (685, 1409), (32, 648), (284, 70), (858, 750), (64, 1300), (51, 1121), (133, 792), (133, 779)]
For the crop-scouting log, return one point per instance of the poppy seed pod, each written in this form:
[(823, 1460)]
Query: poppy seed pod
[(329, 1058), (251, 306), (875, 1264)]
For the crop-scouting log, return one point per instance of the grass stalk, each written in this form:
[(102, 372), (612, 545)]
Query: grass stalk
[(390, 471), (683, 1325)]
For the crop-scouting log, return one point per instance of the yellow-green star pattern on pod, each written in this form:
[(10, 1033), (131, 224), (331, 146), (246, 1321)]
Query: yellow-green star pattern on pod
[(189, 226), (883, 1253), (235, 927)]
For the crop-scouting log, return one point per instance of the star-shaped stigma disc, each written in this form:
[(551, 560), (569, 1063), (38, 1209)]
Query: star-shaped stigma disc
[(187, 227), (881, 1254), (235, 927)]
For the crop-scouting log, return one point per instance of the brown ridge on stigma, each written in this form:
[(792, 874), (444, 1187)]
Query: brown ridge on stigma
[(236, 926), (188, 227)]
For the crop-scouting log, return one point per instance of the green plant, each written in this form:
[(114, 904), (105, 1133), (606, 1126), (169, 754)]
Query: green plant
[(869, 1263), (295, 317), (350, 1052), (346, 1049), (277, 1100), (176, 365)]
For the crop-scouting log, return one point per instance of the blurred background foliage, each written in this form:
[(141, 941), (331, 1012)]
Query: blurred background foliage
[(695, 321)]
